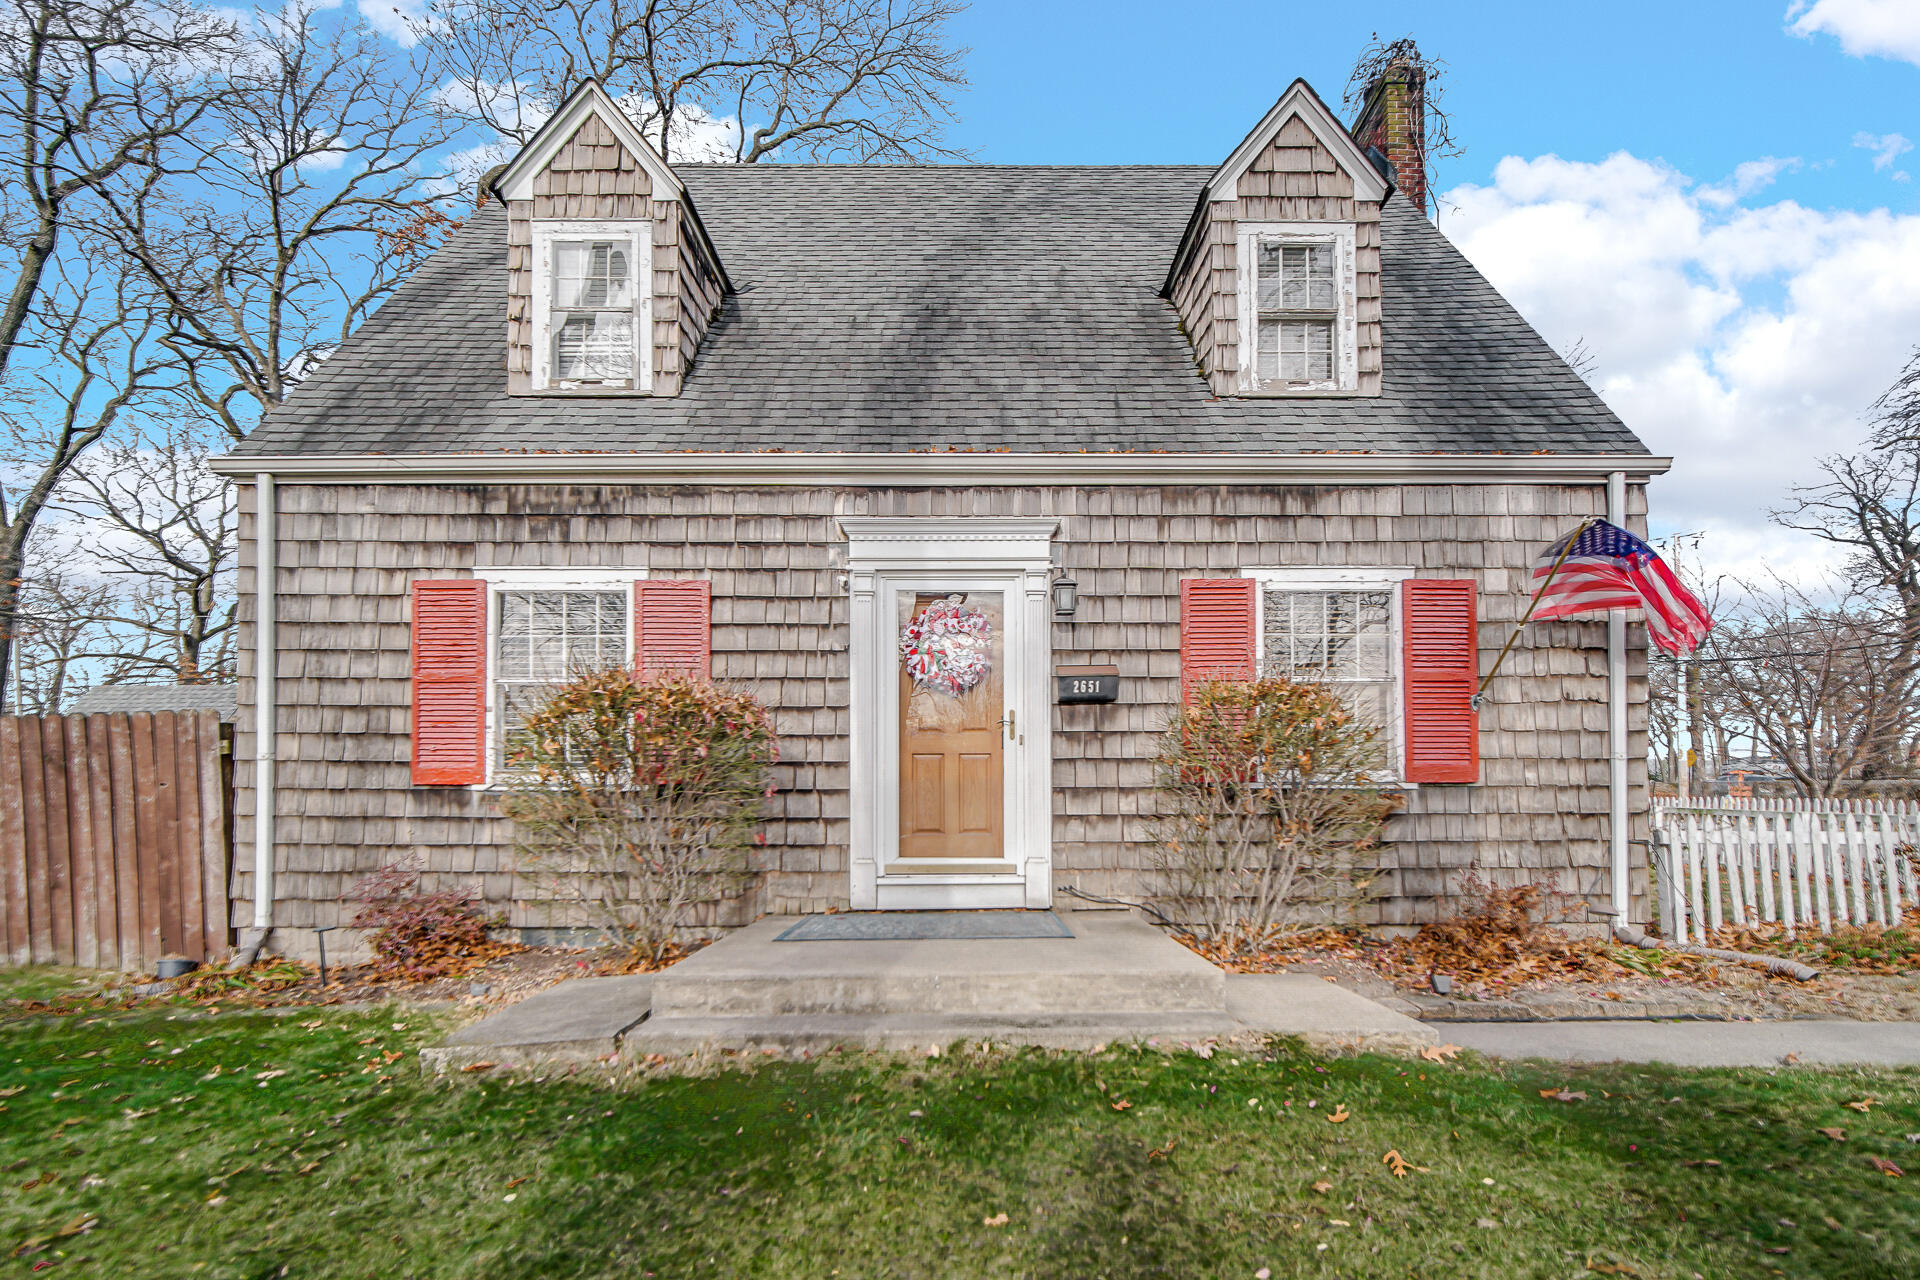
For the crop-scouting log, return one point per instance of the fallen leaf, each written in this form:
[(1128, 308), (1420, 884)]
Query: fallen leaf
[(1396, 1162), (1837, 1134), (478, 1066), (1338, 1114), (1790, 1059), (14, 1091), (1564, 1094), (83, 1223), (310, 1166), (1485, 1224), (997, 1220), (1610, 1268), (1886, 1166), (1863, 1106), (1161, 1153), (1338, 1222), (1706, 1164), (1440, 1052), (1123, 1105), (1322, 1187), (314, 1025)]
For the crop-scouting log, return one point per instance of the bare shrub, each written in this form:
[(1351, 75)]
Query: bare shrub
[(1271, 811), (639, 799)]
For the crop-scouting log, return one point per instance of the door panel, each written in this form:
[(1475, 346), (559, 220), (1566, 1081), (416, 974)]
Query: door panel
[(952, 713)]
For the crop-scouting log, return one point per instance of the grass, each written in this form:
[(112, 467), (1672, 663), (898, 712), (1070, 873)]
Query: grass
[(308, 1144)]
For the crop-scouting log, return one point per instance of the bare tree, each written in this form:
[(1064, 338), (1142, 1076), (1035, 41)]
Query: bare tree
[(1869, 504), (293, 209), (861, 80), (61, 629), (1808, 678), (94, 339), (91, 91), (164, 527)]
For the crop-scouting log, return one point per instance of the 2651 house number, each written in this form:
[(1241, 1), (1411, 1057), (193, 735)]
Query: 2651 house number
[(1087, 684)]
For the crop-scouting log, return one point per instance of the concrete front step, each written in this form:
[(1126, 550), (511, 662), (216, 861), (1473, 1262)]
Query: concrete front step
[(1114, 963), (915, 1032)]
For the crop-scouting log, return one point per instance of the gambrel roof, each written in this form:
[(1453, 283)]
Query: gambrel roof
[(908, 308)]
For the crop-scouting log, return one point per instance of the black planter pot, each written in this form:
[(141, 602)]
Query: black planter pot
[(175, 967)]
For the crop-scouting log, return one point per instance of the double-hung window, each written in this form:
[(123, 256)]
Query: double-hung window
[(546, 627), (1297, 308), (591, 305), (1340, 629)]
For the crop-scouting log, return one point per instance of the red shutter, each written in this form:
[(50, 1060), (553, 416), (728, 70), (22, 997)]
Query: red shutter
[(449, 682), (1440, 654), (673, 627), (1216, 631)]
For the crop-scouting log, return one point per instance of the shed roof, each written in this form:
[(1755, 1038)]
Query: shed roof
[(223, 698), (887, 309)]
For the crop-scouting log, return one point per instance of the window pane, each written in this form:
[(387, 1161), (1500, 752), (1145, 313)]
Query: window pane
[(546, 637), (1306, 350), (592, 275), (1268, 277), (1267, 354), (593, 348)]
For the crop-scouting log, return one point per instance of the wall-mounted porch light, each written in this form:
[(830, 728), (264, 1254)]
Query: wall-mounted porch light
[(1066, 597)]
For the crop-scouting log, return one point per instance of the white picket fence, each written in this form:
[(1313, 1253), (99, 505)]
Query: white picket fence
[(1800, 863)]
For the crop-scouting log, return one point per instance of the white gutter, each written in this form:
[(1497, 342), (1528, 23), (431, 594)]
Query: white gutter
[(265, 571), (944, 468), (1618, 830)]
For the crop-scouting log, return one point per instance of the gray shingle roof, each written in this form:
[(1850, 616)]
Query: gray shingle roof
[(897, 308), (223, 698)]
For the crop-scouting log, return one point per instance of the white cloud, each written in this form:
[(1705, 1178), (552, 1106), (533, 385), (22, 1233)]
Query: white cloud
[(1748, 178), (1885, 147), (395, 19), (1748, 342), (1889, 28)]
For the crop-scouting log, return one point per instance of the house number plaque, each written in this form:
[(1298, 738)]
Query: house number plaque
[(1087, 684)]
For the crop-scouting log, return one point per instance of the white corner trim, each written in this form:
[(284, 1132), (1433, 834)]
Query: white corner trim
[(548, 232), (1300, 100), (961, 469), (589, 99), (1346, 330)]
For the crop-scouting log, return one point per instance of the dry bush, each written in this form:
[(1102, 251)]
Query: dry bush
[(640, 799), (1271, 812), (418, 936), (1500, 935)]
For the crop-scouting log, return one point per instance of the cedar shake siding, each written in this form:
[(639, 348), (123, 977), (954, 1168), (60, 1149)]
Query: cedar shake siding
[(775, 558)]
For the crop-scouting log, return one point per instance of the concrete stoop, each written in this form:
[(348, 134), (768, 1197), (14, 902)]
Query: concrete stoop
[(1117, 979)]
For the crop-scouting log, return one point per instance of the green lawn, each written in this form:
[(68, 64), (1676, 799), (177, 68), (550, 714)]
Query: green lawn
[(256, 1145)]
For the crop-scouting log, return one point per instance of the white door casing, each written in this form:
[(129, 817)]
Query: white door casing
[(888, 555)]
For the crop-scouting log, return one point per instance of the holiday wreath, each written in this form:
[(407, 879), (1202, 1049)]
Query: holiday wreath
[(945, 648)]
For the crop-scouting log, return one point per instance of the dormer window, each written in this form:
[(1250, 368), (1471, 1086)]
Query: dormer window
[(591, 313), (1297, 308)]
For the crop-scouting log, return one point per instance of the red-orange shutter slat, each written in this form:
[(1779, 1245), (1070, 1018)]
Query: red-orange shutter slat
[(673, 628), (449, 682), (1216, 631), (1441, 671)]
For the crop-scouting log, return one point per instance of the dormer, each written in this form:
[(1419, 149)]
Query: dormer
[(611, 280), (1277, 279)]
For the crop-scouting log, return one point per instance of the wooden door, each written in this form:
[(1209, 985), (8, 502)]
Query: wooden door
[(952, 726)]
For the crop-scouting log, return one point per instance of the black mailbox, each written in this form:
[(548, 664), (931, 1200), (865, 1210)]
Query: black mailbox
[(1087, 684)]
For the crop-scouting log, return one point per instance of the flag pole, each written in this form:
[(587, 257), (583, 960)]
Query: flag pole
[(1532, 604)]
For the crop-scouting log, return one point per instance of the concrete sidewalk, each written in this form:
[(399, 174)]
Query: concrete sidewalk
[(1697, 1044)]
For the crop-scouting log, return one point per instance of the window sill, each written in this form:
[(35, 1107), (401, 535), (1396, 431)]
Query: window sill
[(585, 393), (1300, 393)]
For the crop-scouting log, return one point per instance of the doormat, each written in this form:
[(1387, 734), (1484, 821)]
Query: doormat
[(925, 926)]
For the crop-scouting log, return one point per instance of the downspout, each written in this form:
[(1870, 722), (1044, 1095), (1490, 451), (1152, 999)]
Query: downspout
[(1618, 830), (265, 571)]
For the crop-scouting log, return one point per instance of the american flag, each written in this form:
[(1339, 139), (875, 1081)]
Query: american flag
[(1605, 567)]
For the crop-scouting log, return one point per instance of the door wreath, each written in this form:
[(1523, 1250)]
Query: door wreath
[(946, 647)]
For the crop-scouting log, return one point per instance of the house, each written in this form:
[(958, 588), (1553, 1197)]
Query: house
[(755, 420)]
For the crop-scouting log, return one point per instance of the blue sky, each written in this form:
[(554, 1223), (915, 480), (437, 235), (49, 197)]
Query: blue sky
[(1705, 86), (1715, 197)]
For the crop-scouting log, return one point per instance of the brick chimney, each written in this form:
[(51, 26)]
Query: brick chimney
[(1393, 118)]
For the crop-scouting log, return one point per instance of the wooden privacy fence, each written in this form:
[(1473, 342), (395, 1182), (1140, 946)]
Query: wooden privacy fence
[(114, 838), (1798, 863)]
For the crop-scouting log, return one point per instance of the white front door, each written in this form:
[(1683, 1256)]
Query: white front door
[(950, 721)]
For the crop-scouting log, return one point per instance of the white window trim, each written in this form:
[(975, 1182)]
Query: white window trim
[(546, 231), (1359, 579), (504, 579), (1346, 335)]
